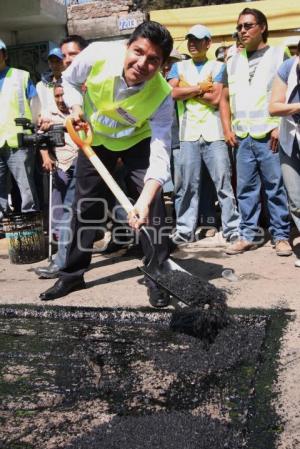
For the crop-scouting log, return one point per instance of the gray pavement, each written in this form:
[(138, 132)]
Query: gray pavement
[(263, 280)]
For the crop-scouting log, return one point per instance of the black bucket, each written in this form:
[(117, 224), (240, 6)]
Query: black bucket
[(26, 243)]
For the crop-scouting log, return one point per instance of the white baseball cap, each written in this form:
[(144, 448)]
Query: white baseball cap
[(292, 41), (199, 31), (2, 45)]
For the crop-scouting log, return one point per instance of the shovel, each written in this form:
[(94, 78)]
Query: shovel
[(152, 269)]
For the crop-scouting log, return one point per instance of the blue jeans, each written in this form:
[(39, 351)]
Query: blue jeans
[(65, 232), (187, 180), (20, 163), (290, 166), (60, 186), (258, 167)]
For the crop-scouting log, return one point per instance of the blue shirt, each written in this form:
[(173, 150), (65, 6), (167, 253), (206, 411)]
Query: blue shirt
[(30, 89), (285, 68), (199, 66), (284, 72)]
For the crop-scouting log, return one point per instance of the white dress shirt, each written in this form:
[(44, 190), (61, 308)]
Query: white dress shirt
[(160, 122)]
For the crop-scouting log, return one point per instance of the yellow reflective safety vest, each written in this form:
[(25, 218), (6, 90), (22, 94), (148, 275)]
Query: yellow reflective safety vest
[(197, 119), (249, 102), (13, 104), (120, 124)]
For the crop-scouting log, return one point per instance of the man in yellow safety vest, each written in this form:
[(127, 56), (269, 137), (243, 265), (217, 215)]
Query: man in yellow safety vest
[(250, 129), (130, 109), (18, 99), (197, 87)]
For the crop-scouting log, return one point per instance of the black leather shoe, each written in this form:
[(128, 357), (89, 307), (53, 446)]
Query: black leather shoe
[(158, 297), (62, 288), (50, 272)]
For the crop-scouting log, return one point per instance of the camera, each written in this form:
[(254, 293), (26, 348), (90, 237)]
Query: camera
[(55, 137)]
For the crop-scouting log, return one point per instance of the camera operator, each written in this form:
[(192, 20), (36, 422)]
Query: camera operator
[(18, 99), (60, 160), (70, 46)]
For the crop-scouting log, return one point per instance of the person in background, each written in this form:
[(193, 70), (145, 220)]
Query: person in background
[(291, 42), (285, 103), (250, 129), (197, 87), (235, 48), (18, 98), (70, 47), (207, 203), (45, 86), (174, 57), (45, 92), (61, 160), (120, 81), (221, 53)]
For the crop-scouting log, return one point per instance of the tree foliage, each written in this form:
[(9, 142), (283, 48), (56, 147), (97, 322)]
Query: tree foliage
[(150, 5)]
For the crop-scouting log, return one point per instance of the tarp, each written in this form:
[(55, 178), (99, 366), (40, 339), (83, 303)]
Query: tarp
[(283, 19)]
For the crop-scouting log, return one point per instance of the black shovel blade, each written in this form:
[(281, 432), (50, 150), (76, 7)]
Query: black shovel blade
[(154, 273)]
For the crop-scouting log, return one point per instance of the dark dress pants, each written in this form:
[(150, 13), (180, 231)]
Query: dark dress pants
[(90, 206)]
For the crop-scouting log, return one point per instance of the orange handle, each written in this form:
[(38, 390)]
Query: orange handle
[(97, 163), (85, 145), (75, 137)]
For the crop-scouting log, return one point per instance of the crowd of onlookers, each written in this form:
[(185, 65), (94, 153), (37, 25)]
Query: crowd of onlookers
[(235, 158), (233, 147)]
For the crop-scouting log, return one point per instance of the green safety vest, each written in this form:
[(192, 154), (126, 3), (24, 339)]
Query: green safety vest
[(120, 124), (14, 104), (250, 102), (198, 119)]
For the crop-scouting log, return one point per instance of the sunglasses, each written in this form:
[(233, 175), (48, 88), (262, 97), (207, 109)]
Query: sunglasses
[(246, 26)]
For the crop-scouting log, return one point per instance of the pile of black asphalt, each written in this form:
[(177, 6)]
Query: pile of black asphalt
[(193, 291), (207, 311)]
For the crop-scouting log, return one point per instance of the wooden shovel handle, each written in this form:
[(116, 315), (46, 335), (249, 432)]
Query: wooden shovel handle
[(85, 145)]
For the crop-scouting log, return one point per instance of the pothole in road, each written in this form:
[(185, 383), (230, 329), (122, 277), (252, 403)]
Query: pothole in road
[(116, 378)]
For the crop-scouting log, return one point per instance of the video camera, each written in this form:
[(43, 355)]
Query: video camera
[(55, 137)]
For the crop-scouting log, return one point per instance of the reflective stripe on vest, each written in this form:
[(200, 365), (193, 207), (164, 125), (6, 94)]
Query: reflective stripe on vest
[(197, 119), (13, 104), (250, 102), (121, 124), (108, 124)]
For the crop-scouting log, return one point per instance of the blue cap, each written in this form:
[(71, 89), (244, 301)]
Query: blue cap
[(199, 31), (2, 45), (56, 52)]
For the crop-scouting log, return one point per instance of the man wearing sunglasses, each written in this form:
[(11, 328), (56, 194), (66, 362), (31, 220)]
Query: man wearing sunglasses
[(249, 128)]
